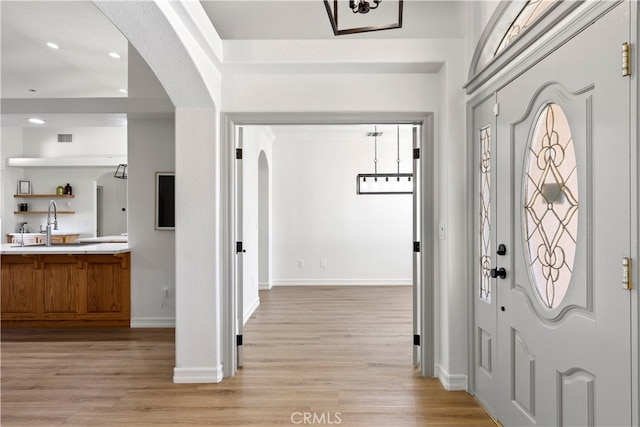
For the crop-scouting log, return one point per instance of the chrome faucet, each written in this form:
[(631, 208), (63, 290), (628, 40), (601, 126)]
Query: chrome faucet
[(55, 221), (23, 226)]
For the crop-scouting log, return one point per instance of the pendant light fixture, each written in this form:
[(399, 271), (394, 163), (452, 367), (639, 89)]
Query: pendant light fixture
[(121, 171), (361, 16), (384, 183)]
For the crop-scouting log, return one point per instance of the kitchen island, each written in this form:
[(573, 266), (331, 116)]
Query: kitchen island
[(65, 285)]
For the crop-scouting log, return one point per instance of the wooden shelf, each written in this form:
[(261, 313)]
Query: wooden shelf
[(41, 212), (44, 196)]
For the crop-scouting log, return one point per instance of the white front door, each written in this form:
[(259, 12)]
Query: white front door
[(563, 214), (485, 255)]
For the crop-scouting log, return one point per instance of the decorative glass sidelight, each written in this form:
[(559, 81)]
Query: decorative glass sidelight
[(485, 213), (530, 12), (551, 205)]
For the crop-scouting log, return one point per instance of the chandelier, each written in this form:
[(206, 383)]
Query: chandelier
[(384, 183), (363, 6), (355, 17)]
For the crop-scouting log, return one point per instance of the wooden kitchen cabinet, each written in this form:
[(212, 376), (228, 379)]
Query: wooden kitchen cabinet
[(59, 290)]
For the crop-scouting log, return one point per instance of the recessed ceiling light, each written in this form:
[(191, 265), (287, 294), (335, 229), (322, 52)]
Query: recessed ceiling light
[(114, 55), (123, 91), (52, 45), (36, 121)]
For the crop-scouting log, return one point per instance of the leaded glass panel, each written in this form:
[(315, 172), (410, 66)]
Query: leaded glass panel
[(485, 213), (527, 16), (551, 205)]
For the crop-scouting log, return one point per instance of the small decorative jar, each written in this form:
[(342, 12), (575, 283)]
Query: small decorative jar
[(59, 190), (67, 189)]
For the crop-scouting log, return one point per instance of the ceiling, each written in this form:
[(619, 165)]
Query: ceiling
[(308, 19), (82, 67)]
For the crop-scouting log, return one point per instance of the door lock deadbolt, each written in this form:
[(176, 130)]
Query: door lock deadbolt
[(498, 272), (502, 249)]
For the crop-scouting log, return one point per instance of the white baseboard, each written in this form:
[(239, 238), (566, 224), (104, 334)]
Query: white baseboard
[(197, 375), (248, 313), (451, 382), (153, 322), (343, 282), (264, 286)]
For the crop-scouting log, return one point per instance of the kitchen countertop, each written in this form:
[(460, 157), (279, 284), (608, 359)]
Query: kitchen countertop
[(65, 248), (105, 239), (53, 233)]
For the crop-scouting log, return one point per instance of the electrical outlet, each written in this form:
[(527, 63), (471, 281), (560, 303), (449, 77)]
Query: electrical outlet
[(323, 263), (165, 292), (300, 263)]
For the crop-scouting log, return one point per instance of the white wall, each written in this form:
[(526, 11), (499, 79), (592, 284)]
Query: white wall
[(477, 14), (10, 146), (87, 142), (151, 150), (256, 139), (330, 92), (317, 215), (265, 222)]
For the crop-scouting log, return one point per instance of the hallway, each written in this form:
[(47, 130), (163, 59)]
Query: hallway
[(333, 355)]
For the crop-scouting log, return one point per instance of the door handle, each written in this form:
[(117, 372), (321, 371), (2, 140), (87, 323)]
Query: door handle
[(498, 272)]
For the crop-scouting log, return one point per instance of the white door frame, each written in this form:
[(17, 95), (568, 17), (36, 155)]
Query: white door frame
[(228, 125)]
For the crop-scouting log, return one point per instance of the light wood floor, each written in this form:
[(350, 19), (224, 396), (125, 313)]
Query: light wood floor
[(341, 355)]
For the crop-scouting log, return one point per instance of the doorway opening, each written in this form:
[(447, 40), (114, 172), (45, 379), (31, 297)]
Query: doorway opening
[(234, 128), (111, 206)]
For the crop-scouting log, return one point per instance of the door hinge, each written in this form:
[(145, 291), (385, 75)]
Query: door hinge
[(239, 247), (416, 340), (626, 59), (626, 273), (496, 109), (416, 246), (416, 153), (238, 153), (238, 340)]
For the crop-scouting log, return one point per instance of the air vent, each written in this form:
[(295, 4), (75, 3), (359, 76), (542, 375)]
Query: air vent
[(65, 137)]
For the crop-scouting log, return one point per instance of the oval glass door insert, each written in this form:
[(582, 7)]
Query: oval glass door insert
[(551, 205)]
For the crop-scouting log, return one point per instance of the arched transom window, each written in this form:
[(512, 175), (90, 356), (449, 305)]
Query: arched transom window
[(528, 15)]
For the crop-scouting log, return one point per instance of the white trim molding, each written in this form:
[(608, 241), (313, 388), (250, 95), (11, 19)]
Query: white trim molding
[(252, 309), (452, 382), (265, 286), (153, 322), (197, 375), (343, 282)]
